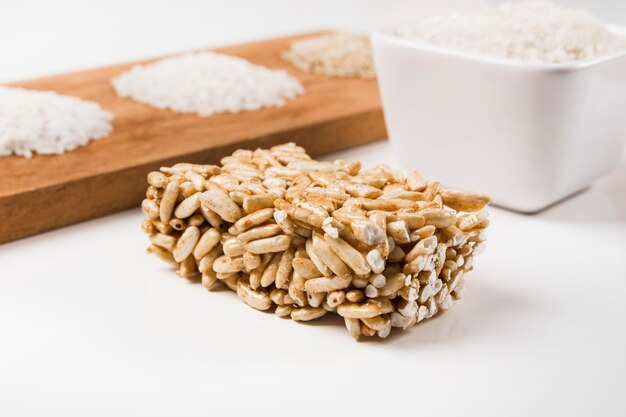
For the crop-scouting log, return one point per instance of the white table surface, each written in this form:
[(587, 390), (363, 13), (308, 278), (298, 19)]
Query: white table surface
[(92, 326)]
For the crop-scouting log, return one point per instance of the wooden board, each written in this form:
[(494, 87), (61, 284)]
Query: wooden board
[(109, 175)]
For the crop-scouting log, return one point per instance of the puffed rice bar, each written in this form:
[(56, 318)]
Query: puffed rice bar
[(306, 238)]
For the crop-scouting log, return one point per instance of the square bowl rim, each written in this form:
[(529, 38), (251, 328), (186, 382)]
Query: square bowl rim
[(387, 36)]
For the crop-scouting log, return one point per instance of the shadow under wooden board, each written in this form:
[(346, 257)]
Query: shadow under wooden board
[(108, 175)]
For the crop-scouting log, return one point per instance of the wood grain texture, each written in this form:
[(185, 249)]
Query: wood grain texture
[(109, 175)]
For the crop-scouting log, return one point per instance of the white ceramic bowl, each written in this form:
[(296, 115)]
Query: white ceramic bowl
[(527, 134)]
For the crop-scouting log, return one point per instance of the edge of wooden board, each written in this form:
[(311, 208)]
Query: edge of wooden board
[(42, 210)]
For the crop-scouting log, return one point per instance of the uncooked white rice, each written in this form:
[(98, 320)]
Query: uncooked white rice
[(207, 83), (338, 54), (45, 122), (528, 31)]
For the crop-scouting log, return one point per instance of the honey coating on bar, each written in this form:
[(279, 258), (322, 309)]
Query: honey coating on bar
[(306, 238)]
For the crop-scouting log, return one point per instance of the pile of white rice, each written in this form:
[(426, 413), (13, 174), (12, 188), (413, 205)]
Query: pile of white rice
[(527, 31), (45, 122), (338, 54), (207, 83)]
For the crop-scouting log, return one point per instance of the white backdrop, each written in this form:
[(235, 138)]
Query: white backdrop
[(90, 326), (42, 37)]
